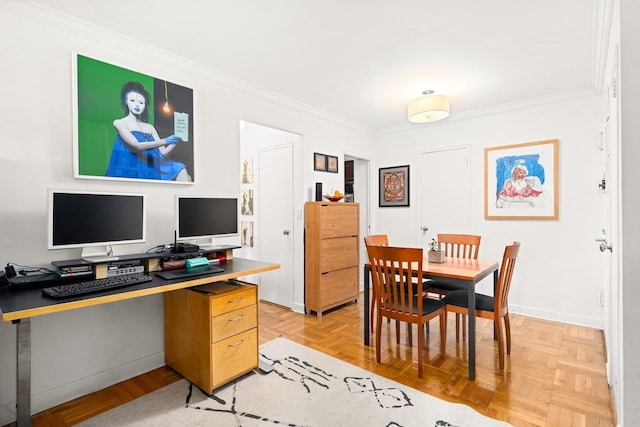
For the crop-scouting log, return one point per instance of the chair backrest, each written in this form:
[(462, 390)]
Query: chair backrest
[(376, 240), (504, 278), (392, 269), (459, 245)]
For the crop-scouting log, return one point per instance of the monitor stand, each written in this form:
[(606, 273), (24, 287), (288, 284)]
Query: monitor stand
[(98, 254), (208, 245)]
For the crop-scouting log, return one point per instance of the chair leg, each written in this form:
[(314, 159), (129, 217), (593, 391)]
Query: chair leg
[(378, 334), (397, 332), (457, 327), (498, 326), (464, 327), (443, 332), (507, 331), (420, 347), (410, 334), (374, 299)]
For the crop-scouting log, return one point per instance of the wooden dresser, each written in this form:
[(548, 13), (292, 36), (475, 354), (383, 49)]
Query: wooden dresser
[(331, 254), (211, 332)]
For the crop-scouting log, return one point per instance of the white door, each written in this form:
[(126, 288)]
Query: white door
[(444, 173), (275, 229), (611, 300)]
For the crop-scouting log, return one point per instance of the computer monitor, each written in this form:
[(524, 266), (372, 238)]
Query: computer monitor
[(204, 217), (94, 221)]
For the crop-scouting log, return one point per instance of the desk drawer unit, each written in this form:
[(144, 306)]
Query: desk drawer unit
[(211, 332)]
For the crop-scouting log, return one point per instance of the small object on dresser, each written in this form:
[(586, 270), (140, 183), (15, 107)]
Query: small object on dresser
[(335, 197)]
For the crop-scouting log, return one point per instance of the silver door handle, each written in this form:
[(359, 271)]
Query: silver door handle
[(604, 245)]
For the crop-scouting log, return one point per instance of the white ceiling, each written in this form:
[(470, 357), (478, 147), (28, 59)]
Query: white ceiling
[(363, 60)]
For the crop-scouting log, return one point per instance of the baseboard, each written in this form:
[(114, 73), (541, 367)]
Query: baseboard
[(298, 308), (46, 399), (591, 322)]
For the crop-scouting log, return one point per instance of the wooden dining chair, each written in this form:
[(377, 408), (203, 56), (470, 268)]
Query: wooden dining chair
[(454, 246), (375, 240), (392, 270), (382, 240), (487, 307)]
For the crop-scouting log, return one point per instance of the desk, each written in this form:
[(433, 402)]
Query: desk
[(19, 306), (462, 273)]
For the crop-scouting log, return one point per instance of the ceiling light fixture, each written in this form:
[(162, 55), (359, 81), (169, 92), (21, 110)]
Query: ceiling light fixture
[(428, 108)]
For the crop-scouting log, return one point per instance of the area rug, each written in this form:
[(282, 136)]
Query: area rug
[(304, 388)]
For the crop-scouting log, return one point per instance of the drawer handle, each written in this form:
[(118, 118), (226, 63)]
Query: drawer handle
[(238, 344), (235, 301), (237, 318)]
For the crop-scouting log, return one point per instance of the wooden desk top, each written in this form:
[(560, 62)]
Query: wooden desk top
[(457, 268), (24, 303)]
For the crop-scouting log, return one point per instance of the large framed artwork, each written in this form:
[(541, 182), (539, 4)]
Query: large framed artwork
[(129, 125), (394, 186), (521, 181)]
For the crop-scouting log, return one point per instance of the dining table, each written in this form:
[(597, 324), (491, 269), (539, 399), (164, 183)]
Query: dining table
[(459, 272)]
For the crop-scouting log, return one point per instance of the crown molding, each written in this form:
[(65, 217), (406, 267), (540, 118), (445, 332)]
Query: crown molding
[(84, 30)]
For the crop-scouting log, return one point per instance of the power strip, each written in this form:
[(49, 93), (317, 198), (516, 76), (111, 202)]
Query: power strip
[(125, 270)]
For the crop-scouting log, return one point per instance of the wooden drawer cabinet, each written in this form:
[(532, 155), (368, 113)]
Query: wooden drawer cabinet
[(331, 255), (211, 332)]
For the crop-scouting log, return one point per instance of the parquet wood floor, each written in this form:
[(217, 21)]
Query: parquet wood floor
[(555, 375)]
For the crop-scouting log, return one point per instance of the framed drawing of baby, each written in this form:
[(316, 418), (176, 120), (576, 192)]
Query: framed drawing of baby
[(521, 181)]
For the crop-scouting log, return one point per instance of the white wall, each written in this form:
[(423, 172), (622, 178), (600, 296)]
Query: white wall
[(559, 270), (77, 352), (557, 277)]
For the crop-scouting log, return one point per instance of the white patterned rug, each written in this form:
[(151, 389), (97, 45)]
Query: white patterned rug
[(305, 388)]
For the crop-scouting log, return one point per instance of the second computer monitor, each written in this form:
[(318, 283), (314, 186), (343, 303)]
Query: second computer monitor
[(204, 217)]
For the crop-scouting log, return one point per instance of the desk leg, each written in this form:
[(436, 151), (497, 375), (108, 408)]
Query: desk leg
[(367, 301), (23, 392), (472, 330)]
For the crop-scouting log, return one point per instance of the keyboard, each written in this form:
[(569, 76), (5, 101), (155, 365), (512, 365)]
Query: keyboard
[(97, 285)]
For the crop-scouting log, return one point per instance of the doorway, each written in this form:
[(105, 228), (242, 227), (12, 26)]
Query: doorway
[(270, 152), (357, 189)]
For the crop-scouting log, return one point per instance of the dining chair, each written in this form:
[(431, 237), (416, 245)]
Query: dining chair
[(488, 307), (383, 240), (375, 240), (392, 270), (454, 246)]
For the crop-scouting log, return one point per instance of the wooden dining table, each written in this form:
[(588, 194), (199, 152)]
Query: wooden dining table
[(459, 272)]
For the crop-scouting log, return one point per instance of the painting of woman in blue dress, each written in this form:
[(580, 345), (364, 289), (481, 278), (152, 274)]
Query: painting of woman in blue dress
[(138, 151)]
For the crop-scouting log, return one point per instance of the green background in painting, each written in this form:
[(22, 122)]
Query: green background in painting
[(99, 86)]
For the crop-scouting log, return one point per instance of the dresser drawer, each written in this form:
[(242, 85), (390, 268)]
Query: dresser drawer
[(338, 253), (338, 286), (233, 322), (338, 220), (224, 303), (234, 356)]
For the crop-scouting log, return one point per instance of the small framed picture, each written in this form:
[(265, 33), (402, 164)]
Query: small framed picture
[(394, 186), (332, 164), (320, 162)]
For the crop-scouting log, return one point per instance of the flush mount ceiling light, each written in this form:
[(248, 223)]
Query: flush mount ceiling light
[(428, 108)]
